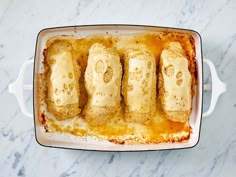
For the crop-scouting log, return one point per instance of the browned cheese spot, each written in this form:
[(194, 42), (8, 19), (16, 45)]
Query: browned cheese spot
[(107, 77), (149, 64), (58, 101), (179, 82), (136, 75), (71, 86), (130, 88), (70, 75), (99, 66), (169, 70), (56, 91), (179, 75)]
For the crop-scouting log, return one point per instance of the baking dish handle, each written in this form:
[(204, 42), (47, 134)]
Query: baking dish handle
[(218, 87), (17, 88)]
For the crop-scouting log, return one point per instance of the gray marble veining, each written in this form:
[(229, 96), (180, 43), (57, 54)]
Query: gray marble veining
[(215, 154)]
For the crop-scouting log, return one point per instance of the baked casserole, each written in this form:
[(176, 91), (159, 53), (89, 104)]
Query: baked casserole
[(125, 88)]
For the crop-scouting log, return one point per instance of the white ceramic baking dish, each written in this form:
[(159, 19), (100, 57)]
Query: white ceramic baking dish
[(69, 141)]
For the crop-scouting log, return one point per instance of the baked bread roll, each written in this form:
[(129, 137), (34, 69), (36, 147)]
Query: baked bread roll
[(139, 84), (175, 83), (102, 82), (63, 81)]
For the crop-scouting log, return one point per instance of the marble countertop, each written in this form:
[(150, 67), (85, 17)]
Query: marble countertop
[(215, 154)]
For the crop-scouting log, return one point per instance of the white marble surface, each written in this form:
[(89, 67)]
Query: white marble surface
[(215, 155)]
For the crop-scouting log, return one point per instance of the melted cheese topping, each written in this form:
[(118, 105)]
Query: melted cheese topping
[(106, 69), (63, 80), (138, 97), (177, 81)]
